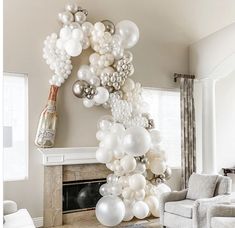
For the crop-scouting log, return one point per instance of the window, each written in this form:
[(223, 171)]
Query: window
[(15, 127), (164, 108)]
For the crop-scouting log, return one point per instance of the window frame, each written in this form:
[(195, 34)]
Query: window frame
[(170, 90), (26, 108)]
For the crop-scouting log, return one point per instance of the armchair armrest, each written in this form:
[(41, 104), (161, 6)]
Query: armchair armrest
[(9, 207), (201, 206), (170, 196), (220, 210)]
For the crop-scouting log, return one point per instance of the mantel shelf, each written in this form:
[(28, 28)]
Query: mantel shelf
[(68, 156)]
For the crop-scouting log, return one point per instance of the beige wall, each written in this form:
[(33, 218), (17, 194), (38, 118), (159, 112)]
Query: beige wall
[(162, 50)]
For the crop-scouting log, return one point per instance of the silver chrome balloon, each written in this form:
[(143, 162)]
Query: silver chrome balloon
[(79, 88), (109, 26)]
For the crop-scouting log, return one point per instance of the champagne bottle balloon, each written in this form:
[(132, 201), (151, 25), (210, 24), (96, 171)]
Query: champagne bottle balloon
[(45, 137)]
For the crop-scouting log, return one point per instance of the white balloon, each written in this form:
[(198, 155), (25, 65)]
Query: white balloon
[(118, 154), (137, 182), (87, 28), (128, 163), (140, 210), (105, 125), (110, 141), (118, 128), (139, 195), (77, 34), (100, 135), (140, 168), (128, 193), (136, 141), (65, 33), (73, 48), (153, 205), (94, 58), (103, 156), (110, 210), (102, 95), (112, 178), (84, 73), (94, 81), (104, 189), (99, 26), (157, 166), (160, 189), (129, 85), (88, 103), (123, 180), (129, 32), (116, 189), (128, 213)]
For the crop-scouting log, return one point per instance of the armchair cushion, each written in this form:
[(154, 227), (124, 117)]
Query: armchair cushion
[(225, 222), (201, 186), (181, 208)]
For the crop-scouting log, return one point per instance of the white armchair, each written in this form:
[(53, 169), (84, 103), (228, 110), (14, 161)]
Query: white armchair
[(14, 218), (188, 208)]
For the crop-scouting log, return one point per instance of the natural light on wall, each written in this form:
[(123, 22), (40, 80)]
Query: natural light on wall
[(164, 107), (15, 127)]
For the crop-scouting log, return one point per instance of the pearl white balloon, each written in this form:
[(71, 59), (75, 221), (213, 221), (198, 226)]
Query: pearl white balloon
[(77, 34), (84, 73), (157, 166), (88, 103), (118, 153), (102, 95), (129, 85), (160, 189), (110, 210), (94, 58), (140, 210), (123, 180), (73, 48), (100, 135), (116, 189), (105, 125), (65, 33), (140, 168), (66, 17), (87, 28), (103, 155), (94, 81), (137, 182), (129, 32), (128, 193), (104, 189), (112, 178), (136, 141), (80, 17), (110, 141), (118, 128), (128, 163), (153, 205), (72, 7), (139, 195), (128, 213)]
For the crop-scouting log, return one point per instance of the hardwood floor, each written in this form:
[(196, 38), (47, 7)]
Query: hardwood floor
[(93, 223)]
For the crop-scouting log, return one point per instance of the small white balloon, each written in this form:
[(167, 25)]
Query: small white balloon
[(104, 189), (103, 155), (87, 28), (110, 210), (77, 34), (73, 48), (110, 141), (88, 103), (137, 182), (128, 213), (105, 125), (100, 135), (139, 195), (129, 85), (140, 210), (128, 163), (102, 95)]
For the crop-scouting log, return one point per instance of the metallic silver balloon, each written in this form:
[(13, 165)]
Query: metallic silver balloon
[(80, 17), (79, 88), (66, 17), (71, 7), (168, 173), (109, 26)]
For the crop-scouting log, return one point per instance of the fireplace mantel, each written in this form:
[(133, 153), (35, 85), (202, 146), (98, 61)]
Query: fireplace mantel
[(68, 156)]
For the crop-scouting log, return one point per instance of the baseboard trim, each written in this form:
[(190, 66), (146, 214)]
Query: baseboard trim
[(38, 222)]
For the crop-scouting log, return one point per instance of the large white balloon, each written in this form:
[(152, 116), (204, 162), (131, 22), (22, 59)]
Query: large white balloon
[(137, 182), (136, 141), (73, 48), (129, 33), (128, 163), (140, 210), (110, 210), (153, 205), (102, 95)]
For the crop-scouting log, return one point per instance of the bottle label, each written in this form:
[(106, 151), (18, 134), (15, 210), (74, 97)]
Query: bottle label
[(51, 108), (46, 134)]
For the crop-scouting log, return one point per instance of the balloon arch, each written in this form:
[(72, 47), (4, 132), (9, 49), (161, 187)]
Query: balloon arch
[(129, 146)]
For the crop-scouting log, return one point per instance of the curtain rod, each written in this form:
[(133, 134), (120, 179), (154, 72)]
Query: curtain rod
[(183, 76)]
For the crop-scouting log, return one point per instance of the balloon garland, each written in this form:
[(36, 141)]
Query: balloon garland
[(128, 144)]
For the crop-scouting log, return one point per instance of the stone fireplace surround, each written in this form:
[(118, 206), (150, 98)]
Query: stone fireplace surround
[(72, 164)]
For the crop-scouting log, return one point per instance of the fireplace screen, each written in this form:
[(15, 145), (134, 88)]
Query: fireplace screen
[(81, 195)]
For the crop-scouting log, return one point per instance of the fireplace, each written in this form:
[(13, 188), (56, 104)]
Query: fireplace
[(81, 195), (72, 178)]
